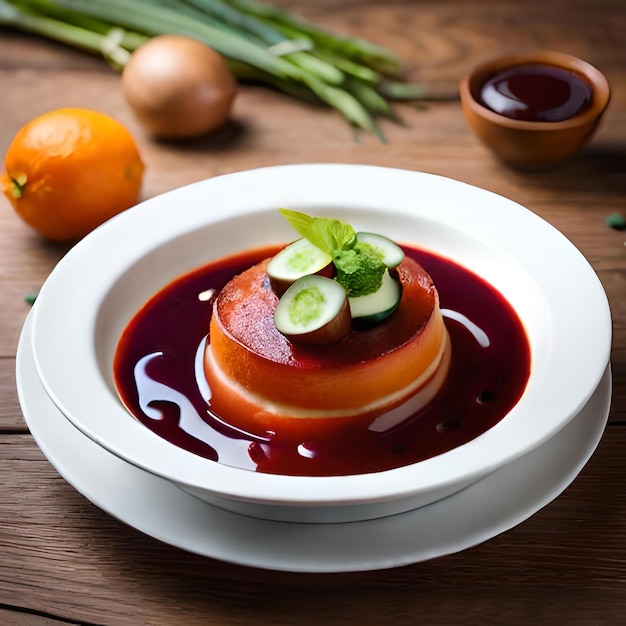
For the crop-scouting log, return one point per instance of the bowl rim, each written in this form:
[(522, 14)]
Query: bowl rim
[(68, 304), (597, 81)]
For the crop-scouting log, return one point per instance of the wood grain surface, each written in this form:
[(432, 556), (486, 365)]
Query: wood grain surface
[(63, 560)]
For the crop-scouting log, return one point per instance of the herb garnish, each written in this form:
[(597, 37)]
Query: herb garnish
[(360, 266), (328, 234)]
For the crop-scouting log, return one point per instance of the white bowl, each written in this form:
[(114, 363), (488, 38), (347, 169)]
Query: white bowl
[(99, 285)]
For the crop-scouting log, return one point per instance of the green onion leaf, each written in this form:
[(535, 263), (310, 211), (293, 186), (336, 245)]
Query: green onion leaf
[(261, 42)]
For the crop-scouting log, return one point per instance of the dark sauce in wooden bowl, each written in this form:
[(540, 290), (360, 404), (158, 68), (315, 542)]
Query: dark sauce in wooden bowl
[(159, 376), (536, 93)]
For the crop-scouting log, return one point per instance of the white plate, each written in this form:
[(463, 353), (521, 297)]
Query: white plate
[(159, 509), (93, 292)]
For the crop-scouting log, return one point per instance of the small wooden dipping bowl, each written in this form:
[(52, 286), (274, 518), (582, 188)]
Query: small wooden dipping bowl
[(529, 144)]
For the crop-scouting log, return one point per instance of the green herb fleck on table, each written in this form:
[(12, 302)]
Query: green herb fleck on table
[(616, 221)]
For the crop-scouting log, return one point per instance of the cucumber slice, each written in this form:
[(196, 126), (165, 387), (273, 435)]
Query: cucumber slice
[(314, 311), (376, 306), (298, 259), (392, 252)]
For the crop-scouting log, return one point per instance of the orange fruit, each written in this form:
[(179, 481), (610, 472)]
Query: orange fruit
[(69, 170)]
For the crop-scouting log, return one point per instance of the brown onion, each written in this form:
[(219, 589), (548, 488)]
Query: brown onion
[(178, 87)]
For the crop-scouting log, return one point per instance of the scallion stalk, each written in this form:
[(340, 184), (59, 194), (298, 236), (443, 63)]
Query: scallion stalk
[(261, 42), (359, 50)]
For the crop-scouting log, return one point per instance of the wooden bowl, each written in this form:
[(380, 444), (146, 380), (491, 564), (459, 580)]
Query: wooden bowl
[(533, 145)]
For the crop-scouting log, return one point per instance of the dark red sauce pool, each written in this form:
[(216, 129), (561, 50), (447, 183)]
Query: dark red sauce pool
[(536, 93), (158, 372)]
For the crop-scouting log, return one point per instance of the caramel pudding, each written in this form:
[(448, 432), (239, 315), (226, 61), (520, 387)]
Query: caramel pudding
[(265, 382)]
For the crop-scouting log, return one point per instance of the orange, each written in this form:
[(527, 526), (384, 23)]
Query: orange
[(69, 170)]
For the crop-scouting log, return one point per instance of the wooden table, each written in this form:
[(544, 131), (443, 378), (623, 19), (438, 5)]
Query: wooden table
[(63, 559)]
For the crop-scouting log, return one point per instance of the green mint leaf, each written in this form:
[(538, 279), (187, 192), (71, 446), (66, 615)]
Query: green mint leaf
[(328, 234)]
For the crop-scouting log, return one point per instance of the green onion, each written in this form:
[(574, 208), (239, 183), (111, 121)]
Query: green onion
[(353, 48), (261, 42)]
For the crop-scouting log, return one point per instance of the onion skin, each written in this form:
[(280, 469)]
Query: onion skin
[(178, 87)]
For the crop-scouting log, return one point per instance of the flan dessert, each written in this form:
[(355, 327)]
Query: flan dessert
[(295, 373)]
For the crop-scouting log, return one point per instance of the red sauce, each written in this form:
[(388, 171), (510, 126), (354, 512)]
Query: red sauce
[(536, 93), (158, 380)]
